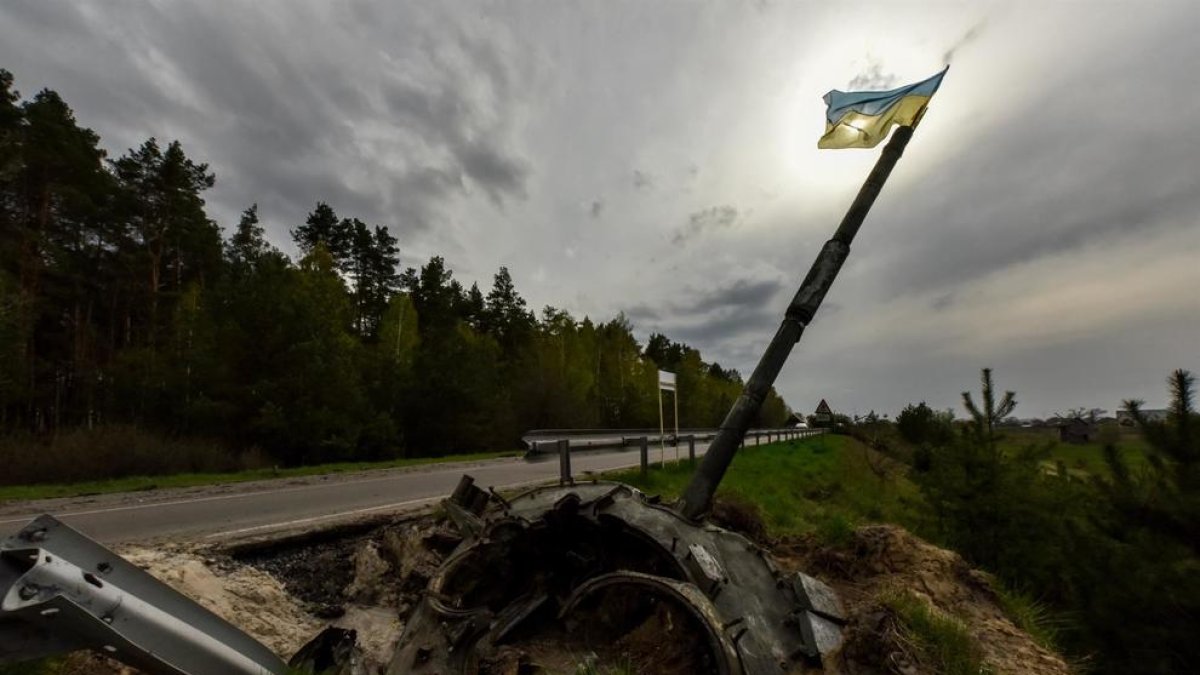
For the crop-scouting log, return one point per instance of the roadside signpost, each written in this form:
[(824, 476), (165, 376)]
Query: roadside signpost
[(666, 382)]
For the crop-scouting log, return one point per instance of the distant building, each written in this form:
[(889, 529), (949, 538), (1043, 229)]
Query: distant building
[(1126, 420), (1076, 430)]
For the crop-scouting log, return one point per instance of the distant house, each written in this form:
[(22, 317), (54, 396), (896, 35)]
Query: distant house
[(1076, 430), (1126, 420)]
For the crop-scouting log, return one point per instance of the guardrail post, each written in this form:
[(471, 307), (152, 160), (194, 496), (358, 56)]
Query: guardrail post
[(564, 462), (645, 442), (692, 448)]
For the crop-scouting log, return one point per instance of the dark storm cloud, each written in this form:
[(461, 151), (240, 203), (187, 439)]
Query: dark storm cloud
[(727, 328), (500, 175), (716, 318), (384, 124), (739, 293), (944, 301), (706, 220), (643, 312)]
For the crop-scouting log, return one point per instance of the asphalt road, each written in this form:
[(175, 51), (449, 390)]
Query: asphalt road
[(248, 509)]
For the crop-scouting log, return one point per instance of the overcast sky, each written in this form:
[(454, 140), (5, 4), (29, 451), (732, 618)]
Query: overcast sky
[(660, 159)]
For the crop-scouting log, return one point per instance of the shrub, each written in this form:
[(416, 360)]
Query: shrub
[(111, 452)]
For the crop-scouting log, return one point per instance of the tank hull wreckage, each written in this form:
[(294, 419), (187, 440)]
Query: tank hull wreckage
[(586, 566)]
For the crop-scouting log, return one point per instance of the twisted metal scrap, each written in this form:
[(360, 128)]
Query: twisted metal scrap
[(548, 551)]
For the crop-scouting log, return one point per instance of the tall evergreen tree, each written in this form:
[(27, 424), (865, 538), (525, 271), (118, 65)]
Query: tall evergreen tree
[(474, 308), (248, 243), (374, 256), (508, 318), (323, 227), (56, 185), (162, 208), (435, 294)]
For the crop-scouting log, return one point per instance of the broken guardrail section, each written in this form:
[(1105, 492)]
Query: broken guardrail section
[(61, 591)]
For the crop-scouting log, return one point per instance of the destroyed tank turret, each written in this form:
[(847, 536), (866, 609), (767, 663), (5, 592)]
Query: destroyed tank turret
[(601, 570)]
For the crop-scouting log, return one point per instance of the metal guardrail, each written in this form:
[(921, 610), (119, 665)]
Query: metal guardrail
[(61, 591), (544, 442), (548, 443)]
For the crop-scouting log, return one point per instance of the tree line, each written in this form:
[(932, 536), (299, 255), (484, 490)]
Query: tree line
[(122, 303)]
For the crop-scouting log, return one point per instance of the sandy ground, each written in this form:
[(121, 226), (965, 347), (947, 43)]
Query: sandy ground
[(252, 600)]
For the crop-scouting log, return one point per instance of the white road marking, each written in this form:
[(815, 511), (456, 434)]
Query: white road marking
[(314, 519), (217, 498), (384, 507), (486, 464)]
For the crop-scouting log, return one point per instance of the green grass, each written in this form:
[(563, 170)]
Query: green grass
[(822, 486), (1032, 616), (1083, 459), (40, 667), (942, 643), (145, 483)]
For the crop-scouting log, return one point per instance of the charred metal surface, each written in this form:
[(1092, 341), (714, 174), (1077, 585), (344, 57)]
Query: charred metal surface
[(334, 651), (582, 563)]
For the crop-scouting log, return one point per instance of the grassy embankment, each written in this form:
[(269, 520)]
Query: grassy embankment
[(181, 480), (824, 486)]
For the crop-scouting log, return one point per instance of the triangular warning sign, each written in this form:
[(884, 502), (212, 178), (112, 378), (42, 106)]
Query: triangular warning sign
[(823, 408)]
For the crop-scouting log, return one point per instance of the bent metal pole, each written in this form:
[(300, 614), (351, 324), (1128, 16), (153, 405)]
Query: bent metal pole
[(697, 497)]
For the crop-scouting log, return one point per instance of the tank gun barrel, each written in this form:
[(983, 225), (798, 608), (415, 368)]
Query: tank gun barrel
[(697, 497)]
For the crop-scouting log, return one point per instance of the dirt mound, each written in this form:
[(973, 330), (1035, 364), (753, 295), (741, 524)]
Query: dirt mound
[(879, 562)]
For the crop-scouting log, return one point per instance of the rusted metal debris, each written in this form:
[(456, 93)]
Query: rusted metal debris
[(588, 564)]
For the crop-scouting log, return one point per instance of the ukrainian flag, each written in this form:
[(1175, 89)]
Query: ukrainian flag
[(862, 119)]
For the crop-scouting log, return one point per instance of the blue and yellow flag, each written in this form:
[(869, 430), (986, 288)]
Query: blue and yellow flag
[(861, 119)]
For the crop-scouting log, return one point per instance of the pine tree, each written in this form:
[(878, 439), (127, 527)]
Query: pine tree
[(474, 309), (986, 501), (1136, 574), (248, 243), (508, 318), (372, 267), (163, 211), (323, 227), (1165, 498), (433, 292)]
